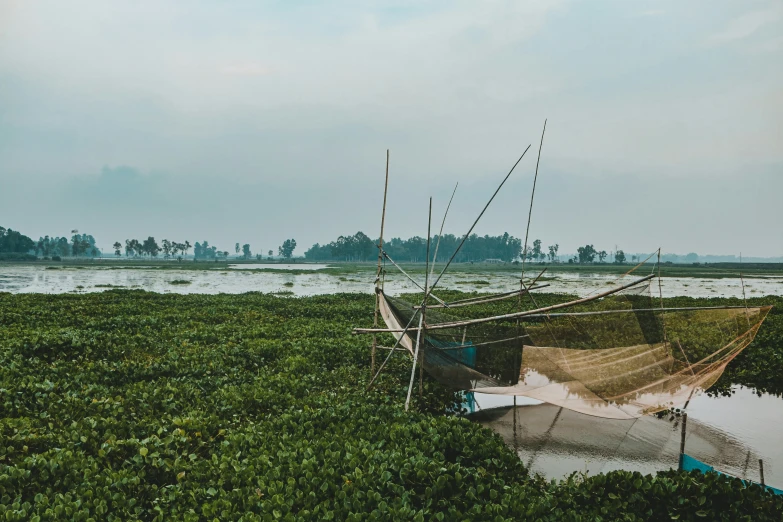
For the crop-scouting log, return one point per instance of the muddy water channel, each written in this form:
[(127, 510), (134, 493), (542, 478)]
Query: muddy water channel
[(729, 433)]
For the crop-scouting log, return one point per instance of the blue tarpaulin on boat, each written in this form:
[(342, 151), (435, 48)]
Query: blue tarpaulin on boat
[(688, 463), (465, 354)]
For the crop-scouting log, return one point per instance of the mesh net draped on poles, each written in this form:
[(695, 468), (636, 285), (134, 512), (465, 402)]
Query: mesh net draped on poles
[(619, 357)]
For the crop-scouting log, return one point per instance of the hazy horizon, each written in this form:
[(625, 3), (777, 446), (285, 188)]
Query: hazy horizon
[(262, 121)]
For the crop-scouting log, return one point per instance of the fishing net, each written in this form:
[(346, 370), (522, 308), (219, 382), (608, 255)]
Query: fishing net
[(554, 441), (616, 357)]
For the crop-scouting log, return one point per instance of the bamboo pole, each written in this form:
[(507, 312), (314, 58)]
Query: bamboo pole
[(660, 295), (537, 312), (511, 293), (394, 348), (378, 273), (465, 238), (412, 280), (424, 304), (445, 267), (486, 343), (503, 295), (413, 369), (532, 195), (742, 280), (747, 463), (498, 297), (361, 331), (682, 433), (635, 310), (442, 223), (514, 431)]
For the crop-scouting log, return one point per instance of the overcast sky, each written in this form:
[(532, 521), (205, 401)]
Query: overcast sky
[(257, 121)]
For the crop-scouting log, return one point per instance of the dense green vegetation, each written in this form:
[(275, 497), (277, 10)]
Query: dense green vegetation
[(80, 245), (133, 405), (359, 247), (13, 242), (286, 250)]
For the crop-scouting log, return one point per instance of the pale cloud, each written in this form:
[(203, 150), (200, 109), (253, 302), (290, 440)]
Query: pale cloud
[(246, 69), (746, 25), (770, 46), (254, 100)]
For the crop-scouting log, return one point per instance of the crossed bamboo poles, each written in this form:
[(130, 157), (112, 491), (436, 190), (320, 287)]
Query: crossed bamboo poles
[(420, 311)]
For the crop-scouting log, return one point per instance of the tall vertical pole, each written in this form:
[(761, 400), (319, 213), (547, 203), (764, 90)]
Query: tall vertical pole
[(422, 313), (747, 463), (532, 195), (761, 471), (378, 273), (660, 295), (424, 305), (747, 317), (415, 358), (682, 437), (527, 234), (514, 431), (440, 234)]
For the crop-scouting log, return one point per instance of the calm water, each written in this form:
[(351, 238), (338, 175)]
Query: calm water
[(317, 279), (729, 433)]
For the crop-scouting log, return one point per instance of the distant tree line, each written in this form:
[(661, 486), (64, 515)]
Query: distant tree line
[(506, 248), (356, 247), (203, 251), (149, 247), (14, 242), (359, 247), (80, 245), (587, 254), (535, 252)]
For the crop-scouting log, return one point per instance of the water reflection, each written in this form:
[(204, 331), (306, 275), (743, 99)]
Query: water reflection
[(729, 433)]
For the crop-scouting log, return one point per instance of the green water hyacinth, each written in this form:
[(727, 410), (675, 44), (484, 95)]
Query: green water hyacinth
[(128, 405)]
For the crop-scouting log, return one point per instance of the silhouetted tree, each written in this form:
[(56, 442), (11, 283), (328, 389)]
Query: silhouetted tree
[(538, 255), (553, 252), (166, 247), (287, 248), (586, 254), (150, 247), (12, 241)]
